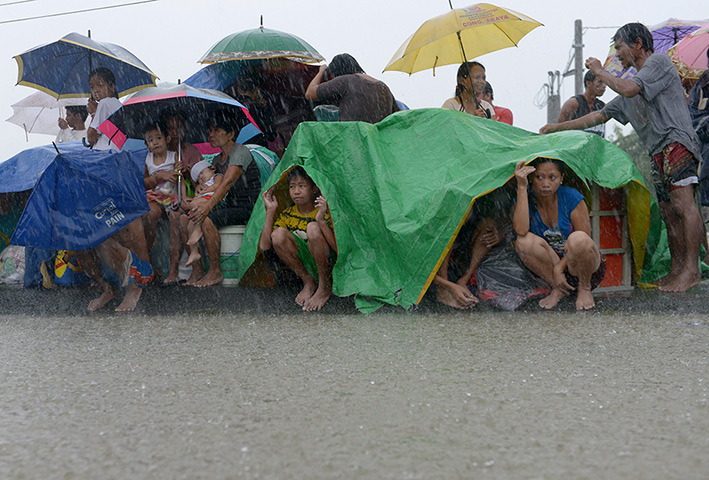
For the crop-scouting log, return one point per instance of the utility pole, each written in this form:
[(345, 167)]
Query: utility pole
[(554, 97), (577, 72), (578, 56)]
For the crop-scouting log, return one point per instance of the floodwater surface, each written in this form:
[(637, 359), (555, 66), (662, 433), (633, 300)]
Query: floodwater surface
[(400, 395)]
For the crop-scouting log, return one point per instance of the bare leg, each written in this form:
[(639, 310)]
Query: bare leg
[(449, 293), (287, 250), (175, 246), (214, 244), (684, 232), (539, 257), (582, 259), (150, 224), (194, 231), (479, 249), (320, 250), (90, 264), (118, 258), (197, 270)]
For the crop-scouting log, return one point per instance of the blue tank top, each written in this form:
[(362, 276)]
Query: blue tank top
[(567, 199)]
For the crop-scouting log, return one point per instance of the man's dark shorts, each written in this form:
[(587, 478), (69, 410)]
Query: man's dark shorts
[(673, 168)]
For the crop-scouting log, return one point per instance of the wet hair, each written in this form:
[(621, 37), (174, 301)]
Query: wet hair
[(561, 166), (488, 89), (79, 110), (464, 69), (344, 64), (150, 126), (172, 112), (630, 32), (225, 120), (299, 172), (589, 77), (107, 76)]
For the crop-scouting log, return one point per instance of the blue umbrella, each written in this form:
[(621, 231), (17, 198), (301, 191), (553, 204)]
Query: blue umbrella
[(62, 68), (83, 198), (20, 172)]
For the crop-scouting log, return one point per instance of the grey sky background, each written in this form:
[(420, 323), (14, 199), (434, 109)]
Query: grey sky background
[(169, 36)]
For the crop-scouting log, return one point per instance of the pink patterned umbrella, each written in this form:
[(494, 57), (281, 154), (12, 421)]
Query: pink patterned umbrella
[(690, 54)]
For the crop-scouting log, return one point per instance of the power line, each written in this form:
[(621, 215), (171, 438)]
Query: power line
[(15, 3), (75, 11)]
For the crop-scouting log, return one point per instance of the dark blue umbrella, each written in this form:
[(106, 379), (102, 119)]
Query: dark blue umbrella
[(20, 172), (83, 198), (62, 68)]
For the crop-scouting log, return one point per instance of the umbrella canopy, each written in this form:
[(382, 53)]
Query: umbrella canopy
[(39, 112), (664, 36), (690, 53), (261, 43), (197, 106), (395, 217), (83, 198), (61, 69), (478, 29)]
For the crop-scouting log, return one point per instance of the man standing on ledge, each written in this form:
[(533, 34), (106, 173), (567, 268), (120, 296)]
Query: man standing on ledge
[(653, 102), (585, 103)]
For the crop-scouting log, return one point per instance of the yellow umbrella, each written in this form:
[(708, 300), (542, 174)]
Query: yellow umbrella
[(459, 35)]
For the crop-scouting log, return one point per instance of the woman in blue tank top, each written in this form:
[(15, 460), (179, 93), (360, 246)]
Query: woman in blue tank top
[(554, 233)]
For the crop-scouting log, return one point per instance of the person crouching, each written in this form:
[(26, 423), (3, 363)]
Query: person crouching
[(302, 235)]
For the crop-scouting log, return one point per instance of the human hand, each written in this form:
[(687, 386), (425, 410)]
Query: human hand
[(522, 171), (62, 124), (560, 282), (491, 237), (548, 128), (480, 112), (166, 176), (91, 106), (321, 205), (200, 208), (269, 199), (594, 65)]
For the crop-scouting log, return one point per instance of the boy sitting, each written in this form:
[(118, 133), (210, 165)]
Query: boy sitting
[(302, 235)]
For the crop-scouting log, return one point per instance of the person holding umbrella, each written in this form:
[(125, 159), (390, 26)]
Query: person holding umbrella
[(103, 102), (234, 198), (469, 90)]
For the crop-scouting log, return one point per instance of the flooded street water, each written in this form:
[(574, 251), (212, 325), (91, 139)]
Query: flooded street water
[(396, 395)]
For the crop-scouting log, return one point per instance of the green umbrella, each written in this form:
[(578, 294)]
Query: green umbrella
[(262, 43)]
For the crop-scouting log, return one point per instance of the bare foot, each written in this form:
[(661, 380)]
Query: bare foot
[(306, 292), (321, 295), (130, 300), (551, 300), (106, 296), (584, 299), (193, 257), (456, 296), (211, 278), (669, 278), (171, 278), (195, 277), (682, 282)]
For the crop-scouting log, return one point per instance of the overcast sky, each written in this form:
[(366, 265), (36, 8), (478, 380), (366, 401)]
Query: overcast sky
[(169, 36)]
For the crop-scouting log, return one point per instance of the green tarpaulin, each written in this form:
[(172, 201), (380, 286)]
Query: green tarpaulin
[(400, 190)]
